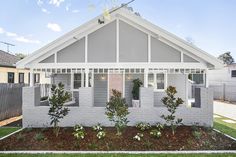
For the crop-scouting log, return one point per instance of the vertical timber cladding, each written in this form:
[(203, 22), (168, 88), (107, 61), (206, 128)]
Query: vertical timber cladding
[(161, 52), (102, 44), (133, 44)]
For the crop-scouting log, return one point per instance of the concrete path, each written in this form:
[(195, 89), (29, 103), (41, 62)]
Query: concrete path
[(225, 109)]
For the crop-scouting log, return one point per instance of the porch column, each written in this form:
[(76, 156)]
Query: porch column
[(146, 77), (31, 77), (86, 77), (206, 79)]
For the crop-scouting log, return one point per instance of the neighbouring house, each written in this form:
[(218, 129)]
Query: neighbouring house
[(10, 74), (223, 82), (97, 57)]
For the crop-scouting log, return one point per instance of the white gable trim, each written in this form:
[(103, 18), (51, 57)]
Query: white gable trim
[(126, 16)]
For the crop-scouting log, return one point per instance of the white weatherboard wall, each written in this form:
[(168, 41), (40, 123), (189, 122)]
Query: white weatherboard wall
[(86, 114)]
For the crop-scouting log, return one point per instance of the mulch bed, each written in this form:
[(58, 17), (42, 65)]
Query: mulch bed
[(183, 140)]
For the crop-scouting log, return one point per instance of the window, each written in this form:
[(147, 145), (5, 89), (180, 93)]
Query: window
[(233, 73), (77, 81), (197, 78), (36, 78), (157, 81), (10, 77), (21, 78)]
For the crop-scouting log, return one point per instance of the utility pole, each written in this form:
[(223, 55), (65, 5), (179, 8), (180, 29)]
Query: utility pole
[(7, 44)]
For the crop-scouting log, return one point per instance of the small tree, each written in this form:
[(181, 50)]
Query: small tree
[(172, 104), (226, 58), (137, 83), (117, 111), (57, 110)]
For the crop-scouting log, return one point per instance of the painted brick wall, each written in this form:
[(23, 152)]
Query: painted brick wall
[(86, 114)]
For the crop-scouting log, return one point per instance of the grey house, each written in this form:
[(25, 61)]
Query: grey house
[(95, 58)]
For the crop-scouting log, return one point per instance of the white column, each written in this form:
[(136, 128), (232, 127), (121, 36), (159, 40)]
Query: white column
[(31, 77), (146, 77), (206, 79), (86, 77)]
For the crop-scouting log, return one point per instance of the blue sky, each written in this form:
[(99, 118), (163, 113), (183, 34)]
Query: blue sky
[(31, 24)]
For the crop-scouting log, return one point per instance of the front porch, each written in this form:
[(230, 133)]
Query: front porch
[(103, 80), (91, 90)]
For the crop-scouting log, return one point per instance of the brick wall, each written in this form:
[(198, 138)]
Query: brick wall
[(86, 114)]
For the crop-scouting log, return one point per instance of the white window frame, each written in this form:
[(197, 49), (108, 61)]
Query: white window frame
[(73, 79), (231, 74), (155, 80)]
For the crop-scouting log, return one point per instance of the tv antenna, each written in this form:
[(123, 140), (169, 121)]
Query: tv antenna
[(101, 21), (7, 44)]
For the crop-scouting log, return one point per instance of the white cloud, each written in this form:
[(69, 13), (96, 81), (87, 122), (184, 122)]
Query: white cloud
[(56, 2), (26, 40), (68, 7), (45, 11), (39, 2), (75, 11), (54, 27), (11, 34), (1, 30)]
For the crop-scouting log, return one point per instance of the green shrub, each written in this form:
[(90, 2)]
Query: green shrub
[(57, 110), (101, 134), (39, 137), (97, 127), (172, 103), (79, 132), (159, 126), (138, 136), (117, 111), (137, 83), (197, 134), (143, 126), (155, 133)]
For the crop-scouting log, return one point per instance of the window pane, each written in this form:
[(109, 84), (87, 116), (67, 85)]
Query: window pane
[(77, 81), (21, 77), (233, 74), (160, 81), (150, 80), (198, 78), (10, 77)]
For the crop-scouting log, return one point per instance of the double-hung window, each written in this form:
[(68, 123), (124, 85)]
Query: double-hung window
[(21, 78), (233, 73), (11, 77), (77, 81), (157, 80)]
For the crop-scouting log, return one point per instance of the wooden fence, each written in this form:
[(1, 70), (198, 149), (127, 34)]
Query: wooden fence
[(11, 99)]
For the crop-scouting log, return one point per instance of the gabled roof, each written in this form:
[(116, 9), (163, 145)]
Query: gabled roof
[(126, 14), (7, 59)]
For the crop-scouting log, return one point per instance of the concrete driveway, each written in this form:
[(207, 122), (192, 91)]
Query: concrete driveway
[(225, 109)]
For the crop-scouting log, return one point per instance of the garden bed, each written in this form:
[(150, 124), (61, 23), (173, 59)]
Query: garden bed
[(186, 138)]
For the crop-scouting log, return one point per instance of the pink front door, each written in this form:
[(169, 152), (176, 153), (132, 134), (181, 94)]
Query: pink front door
[(115, 82)]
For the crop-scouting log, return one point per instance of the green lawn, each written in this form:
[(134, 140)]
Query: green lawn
[(7, 130), (117, 155), (227, 128)]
